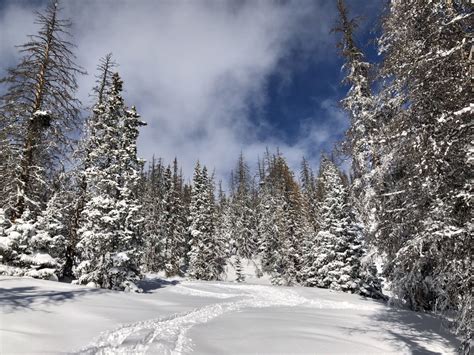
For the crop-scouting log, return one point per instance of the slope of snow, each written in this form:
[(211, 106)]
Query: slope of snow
[(180, 316)]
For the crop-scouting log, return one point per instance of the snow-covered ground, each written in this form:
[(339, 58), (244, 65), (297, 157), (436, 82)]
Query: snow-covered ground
[(180, 316)]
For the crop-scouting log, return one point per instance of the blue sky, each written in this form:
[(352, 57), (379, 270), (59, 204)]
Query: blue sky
[(213, 78)]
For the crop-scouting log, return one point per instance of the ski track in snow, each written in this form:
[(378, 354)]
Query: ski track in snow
[(167, 335)]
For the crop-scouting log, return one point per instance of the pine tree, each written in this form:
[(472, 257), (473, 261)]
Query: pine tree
[(152, 210), (282, 223), (177, 245), (360, 104), (51, 236), (83, 156), (224, 227), (243, 231), (270, 230), (335, 260), (172, 222), (423, 184), (37, 247), (297, 229), (206, 257), (308, 189), (110, 242)]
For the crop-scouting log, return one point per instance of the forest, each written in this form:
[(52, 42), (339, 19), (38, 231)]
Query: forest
[(79, 205)]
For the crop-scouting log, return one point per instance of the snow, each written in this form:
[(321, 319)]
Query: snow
[(464, 110), (176, 316), (41, 113), (5, 243), (38, 259), (250, 270)]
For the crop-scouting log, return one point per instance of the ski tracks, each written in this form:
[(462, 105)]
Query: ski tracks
[(167, 335)]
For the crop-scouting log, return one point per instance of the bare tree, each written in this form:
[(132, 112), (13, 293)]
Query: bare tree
[(38, 112)]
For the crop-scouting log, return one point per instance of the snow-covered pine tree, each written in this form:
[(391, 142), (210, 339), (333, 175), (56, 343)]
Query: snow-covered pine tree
[(217, 245), (164, 222), (178, 211), (207, 254), (282, 224), (187, 197), (335, 259), (296, 233), (197, 225), (14, 243), (83, 156), (323, 258), (37, 247), (359, 143), (151, 199), (38, 110), (270, 230), (243, 231), (52, 234), (424, 187), (171, 222), (360, 105), (224, 226), (110, 241), (308, 190)]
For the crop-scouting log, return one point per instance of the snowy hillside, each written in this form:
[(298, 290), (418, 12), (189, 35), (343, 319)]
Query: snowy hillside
[(180, 316)]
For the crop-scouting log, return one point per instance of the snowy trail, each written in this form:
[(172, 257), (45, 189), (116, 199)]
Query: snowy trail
[(183, 316), (169, 335)]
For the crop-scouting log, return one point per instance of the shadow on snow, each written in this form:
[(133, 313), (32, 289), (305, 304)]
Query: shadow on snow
[(150, 284), (18, 298), (412, 329)]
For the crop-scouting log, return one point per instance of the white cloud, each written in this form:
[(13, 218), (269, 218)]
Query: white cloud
[(193, 68)]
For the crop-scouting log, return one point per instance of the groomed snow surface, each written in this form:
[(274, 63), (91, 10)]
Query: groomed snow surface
[(175, 316)]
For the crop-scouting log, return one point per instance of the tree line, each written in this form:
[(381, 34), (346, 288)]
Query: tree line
[(89, 210)]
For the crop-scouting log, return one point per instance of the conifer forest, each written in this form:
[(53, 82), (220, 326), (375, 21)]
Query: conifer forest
[(385, 215)]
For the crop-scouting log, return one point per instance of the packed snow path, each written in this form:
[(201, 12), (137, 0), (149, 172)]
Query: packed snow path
[(168, 334), (176, 317)]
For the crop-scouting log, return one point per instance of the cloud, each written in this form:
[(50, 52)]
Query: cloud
[(194, 69)]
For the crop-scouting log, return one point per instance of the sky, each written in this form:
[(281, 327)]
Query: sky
[(213, 78)]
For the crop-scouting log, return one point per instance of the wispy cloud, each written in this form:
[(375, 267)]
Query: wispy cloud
[(194, 68)]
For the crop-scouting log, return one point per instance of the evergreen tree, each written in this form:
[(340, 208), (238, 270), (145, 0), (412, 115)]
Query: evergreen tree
[(423, 188), (335, 260), (172, 222), (37, 247), (110, 241), (243, 231), (152, 210), (308, 190), (297, 229), (283, 223), (83, 156), (270, 231), (360, 104), (206, 257), (224, 227)]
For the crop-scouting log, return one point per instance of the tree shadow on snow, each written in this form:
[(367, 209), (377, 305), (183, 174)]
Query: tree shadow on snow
[(412, 329), (150, 284), (29, 297)]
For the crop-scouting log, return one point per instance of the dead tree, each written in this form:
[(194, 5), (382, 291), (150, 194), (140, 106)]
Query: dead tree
[(39, 112)]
